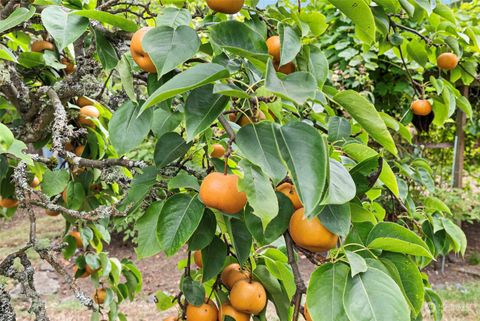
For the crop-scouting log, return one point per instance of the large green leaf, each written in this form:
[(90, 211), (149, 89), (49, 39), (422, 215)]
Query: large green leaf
[(193, 290), (258, 143), (213, 258), (275, 291), (168, 148), (18, 16), (139, 188), (165, 120), (201, 109), (325, 292), (241, 239), (173, 17), (307, 162), (336, 218), (105, 50), (260, 193), (146, 227), (361, 152), (54, 182), (393, 237), (341, 185), (169, 47), (317, 65), (108, 18), (373, 295), (367, 116), (360, 13), (191, 78), (126, 130), (456, 235), (204, 233), (65, 27), (276, 227), (6, 138), (409, 278), (357, 263), (125, 71), (238, 38), (290, 44), (297, 87), (179, 218)]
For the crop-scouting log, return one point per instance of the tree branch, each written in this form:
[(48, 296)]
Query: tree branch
[(299, 283)]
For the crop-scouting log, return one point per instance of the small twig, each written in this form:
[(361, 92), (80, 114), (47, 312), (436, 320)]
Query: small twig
[(300, 284)]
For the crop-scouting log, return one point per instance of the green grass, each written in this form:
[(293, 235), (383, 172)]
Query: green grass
[(467, 293)]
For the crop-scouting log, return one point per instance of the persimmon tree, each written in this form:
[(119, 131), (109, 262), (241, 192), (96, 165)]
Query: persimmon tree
[(224, 128)]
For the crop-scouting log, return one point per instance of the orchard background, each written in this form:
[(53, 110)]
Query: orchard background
[(231, 160)]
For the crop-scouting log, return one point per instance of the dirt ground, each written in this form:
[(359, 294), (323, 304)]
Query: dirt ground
[(459, 284)]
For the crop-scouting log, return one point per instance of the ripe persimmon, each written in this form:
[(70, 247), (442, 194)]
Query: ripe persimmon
[(35, 182), (8, 203), (227, 310), (232, 117), (289, 191), (78, 238), (221, 192), (206, 312), (141, 58), (83, 101), (232, 274), (69, 66), (100, 295), (79, 150), (41, 46), (226, 6), (248, 296), (244, 120), (421, 107), (447, 61), (218, 151), (197, 258), (51, 213), (310, 233), (88, 111), (286, 69), (273, 45)]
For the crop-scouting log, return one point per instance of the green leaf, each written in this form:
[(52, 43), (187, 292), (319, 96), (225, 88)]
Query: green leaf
[(275, 292), (179, 218), (357, 263), (373, 295), (366, 173), (238, 38), (146, 227), (108, 18), (297, 87), (436, 304), (204, 233), (106, 51), (456, 235), (259, 190), (242, 240), (317, 65), (125, 71), (54, 182), (230, 90), (164, 121), (336, 218), (126, 129), (75, 195), (194, 291), (183, 180), (290, 44), (258, 143), (6, 138), (308, 162), (201, 109), (338, 129), (315, 20), (213, 258), (410, 278), (169, 147), (189, 79), (433, 204), (325, 292), (417, 50), (173, 17), (464, 105), (445, 12), (361, 152), (139, 188), (169, 47), (367, 116), (393, 237), (276, 227), (341, 185), (18, 16), (361, 15), (164, 301), (65, 27)]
